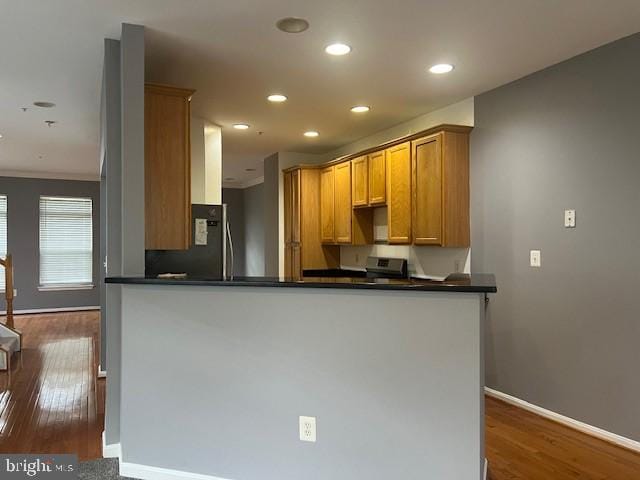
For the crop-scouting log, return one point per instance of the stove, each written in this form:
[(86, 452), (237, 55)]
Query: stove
[(386, 267)]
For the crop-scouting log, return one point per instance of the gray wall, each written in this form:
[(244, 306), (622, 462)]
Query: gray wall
[(565, 336), (124, 74), (23, 239), (132, 141), (271, 216), (254, 230), (395, 396), (234, 198), (112, 166)]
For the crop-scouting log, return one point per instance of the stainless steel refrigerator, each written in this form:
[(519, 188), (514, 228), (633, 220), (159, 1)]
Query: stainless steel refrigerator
[(211, 251)]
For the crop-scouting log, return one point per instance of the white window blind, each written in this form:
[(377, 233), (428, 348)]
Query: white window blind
[(66, 241), (3, 235)]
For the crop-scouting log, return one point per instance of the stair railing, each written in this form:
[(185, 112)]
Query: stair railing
[(7, 263)]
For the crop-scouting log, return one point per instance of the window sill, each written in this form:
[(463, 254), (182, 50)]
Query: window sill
[(60, 288)]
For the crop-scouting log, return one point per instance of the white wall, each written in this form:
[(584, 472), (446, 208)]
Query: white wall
[(206, 162)]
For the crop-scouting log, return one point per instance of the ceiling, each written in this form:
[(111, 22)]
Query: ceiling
[(232, 54)]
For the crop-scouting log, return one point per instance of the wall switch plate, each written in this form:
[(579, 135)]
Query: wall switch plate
[(535, 258), (570, 218), (308, 429)]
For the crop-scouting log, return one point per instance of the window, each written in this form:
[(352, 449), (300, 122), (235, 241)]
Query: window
[(3, 235), (66, 241)]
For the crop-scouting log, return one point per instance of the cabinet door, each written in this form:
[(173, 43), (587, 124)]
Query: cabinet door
[(427, 190), (295, 206), (342, 216), (288, 227), (359, 182), (377, 178), (167, 169), (296, 268), (326, 205), (399, 193)]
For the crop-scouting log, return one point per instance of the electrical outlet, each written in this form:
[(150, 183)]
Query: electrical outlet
[(535, 258), (308, 429), (570, 219)]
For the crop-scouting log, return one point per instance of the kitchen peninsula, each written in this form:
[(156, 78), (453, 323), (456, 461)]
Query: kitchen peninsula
[(216, 373)]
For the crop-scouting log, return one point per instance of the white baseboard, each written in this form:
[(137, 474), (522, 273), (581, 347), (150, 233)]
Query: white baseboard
[(569, 422), (51, 310), (110, 451), (145, 472)]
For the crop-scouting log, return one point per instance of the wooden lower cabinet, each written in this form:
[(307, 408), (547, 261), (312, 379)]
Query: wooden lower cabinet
[(398, 160), (302, 211)]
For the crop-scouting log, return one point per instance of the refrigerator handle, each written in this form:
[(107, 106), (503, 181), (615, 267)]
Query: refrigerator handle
[(230, 250)]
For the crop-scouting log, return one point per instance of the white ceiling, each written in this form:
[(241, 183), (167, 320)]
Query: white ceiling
[(231, 52)]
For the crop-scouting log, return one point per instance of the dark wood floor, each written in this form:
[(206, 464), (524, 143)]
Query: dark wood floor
[(524, 446), (51, 402)]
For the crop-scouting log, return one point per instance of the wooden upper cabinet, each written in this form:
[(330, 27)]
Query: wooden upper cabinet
[(359, 182), (167, 167), (398, 159), (440, 183), (327, 198), (342, 215), (377, 178), (427, 190)]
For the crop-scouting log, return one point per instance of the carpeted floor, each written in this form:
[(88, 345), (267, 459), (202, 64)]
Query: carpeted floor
[(102, 469)]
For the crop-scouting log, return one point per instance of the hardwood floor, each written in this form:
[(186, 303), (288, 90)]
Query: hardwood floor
[(524, 446), (51, 402)]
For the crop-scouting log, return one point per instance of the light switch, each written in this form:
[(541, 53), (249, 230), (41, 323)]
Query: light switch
[(570, 218), (535, 258)]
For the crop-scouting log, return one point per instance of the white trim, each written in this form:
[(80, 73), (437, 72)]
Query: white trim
[(145, 472), (52, 310), (101, 373), (87, 177), (567, 421), (486, 469), (110, 451)]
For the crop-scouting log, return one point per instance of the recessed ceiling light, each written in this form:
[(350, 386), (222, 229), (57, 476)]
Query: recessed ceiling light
[(240, 126), (311, 133), (44, 104), (337, 49), (441, 68), (292, 25), (277, 98), (0, 135), (360, 109)]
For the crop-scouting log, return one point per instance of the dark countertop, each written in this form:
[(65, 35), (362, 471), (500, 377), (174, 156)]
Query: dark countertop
[(476, 283)]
